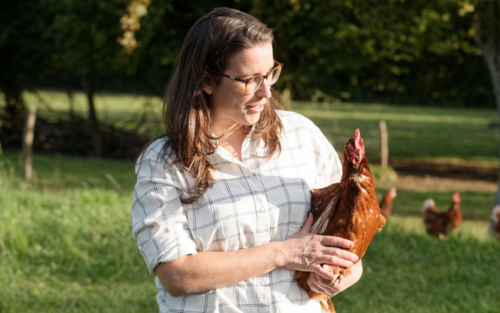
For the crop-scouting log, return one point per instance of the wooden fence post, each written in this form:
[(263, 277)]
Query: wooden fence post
[(384, 149), (28, 133)]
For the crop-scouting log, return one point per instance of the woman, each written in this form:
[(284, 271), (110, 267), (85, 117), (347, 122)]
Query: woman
[(221, 196)]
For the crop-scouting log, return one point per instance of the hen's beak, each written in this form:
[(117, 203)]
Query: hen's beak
[(356, 157)]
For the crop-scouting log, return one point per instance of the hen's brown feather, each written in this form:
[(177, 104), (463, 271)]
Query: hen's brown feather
[(349, 210), (441, 224), (386, 203)]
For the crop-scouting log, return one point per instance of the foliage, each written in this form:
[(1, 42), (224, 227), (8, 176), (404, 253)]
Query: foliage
[(85, 33), (403, 51), (400, 51)]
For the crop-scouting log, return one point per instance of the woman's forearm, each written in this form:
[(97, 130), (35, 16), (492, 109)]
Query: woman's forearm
[(211, 270)]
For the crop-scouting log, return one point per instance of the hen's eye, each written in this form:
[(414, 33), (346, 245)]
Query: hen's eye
[(350, 146)]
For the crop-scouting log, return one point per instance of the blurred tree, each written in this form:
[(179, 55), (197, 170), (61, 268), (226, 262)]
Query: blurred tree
[(487, 35), (25, 54), (86, 34), (162, 32), (402, 51)]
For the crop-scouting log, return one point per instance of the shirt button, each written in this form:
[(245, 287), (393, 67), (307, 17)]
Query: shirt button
[(254, 174), (261, 210)]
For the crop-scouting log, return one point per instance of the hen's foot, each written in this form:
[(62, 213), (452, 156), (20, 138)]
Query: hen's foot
[(337, 280)]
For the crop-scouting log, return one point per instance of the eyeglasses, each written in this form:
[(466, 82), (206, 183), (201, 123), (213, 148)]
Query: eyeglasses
[(254, 83)]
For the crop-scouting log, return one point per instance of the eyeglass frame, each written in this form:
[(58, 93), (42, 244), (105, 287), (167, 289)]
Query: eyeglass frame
[(249, 79)]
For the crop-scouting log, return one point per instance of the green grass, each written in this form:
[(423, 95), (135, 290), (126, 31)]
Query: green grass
[(69, 249), (66, 246), (475, 205), (411, 272), (414, 132)]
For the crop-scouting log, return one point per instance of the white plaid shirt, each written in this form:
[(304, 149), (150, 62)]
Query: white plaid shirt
[(251, 203)]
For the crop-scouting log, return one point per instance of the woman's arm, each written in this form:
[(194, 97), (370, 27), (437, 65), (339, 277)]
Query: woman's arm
[(322, 285), (211, 270)]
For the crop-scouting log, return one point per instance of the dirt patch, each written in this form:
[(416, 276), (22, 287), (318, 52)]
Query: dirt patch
[(410, 182), (468, 171)]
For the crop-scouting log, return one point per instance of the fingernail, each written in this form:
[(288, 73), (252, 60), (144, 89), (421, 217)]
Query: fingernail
[(351, 244), (355, 258)]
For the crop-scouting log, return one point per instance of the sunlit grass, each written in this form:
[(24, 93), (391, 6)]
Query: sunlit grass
[(408, 271), (66, 244), (414, 132), (68, 247)]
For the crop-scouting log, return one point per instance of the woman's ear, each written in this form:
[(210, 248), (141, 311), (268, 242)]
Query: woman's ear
[(206, 83)]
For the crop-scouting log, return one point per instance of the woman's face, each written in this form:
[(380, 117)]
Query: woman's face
[(231, 103)]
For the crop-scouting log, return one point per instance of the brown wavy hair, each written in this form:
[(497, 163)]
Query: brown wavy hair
[(188, 112)]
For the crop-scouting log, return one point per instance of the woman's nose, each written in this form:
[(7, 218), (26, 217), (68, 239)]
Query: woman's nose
[(264, 90)]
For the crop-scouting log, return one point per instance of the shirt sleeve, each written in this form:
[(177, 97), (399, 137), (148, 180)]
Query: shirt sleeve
[(159, 220), (329, 161)]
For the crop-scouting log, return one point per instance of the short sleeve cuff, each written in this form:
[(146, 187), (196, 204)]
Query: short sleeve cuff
[(166, 248)]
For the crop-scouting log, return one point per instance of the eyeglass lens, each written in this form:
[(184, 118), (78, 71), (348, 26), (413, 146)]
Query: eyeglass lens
[(254, 84)]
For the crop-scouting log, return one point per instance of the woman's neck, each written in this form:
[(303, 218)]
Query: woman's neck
[(232, 138)]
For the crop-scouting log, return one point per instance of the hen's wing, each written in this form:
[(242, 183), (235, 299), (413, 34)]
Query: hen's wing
[(324, 203)]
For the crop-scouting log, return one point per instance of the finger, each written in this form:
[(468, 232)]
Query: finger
[(314, 284), (321, 285), (322, 272), (340, 253), (336, 242), (308, 223), (334, 260), (329, 268)]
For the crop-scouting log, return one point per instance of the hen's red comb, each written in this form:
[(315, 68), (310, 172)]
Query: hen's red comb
[(356, 140)]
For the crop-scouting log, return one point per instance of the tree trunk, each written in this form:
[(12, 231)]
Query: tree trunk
[(15, 111), (94, 123), (28, 133), (487, 37)]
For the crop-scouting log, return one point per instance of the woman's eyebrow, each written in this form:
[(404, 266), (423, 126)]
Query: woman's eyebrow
[(270, 68)]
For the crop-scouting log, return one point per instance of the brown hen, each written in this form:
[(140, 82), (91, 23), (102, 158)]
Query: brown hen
[(495, 221), (441, 224), (386, 203), (348, 209)]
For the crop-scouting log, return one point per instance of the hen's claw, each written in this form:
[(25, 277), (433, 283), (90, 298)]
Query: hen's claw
[(337, 280)]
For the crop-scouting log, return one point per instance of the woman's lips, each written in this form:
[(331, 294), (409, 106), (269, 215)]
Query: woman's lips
[(257, 108)]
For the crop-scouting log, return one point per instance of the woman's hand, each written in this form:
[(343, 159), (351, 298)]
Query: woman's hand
[(306, 252), (322, 285)]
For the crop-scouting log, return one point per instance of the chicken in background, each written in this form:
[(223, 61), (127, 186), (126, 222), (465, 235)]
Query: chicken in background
[(495, 221), (386, 203), (441, 224), (348, 209)]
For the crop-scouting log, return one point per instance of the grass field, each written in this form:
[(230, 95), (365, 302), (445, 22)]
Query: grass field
[(66, 245), (414, 132)]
